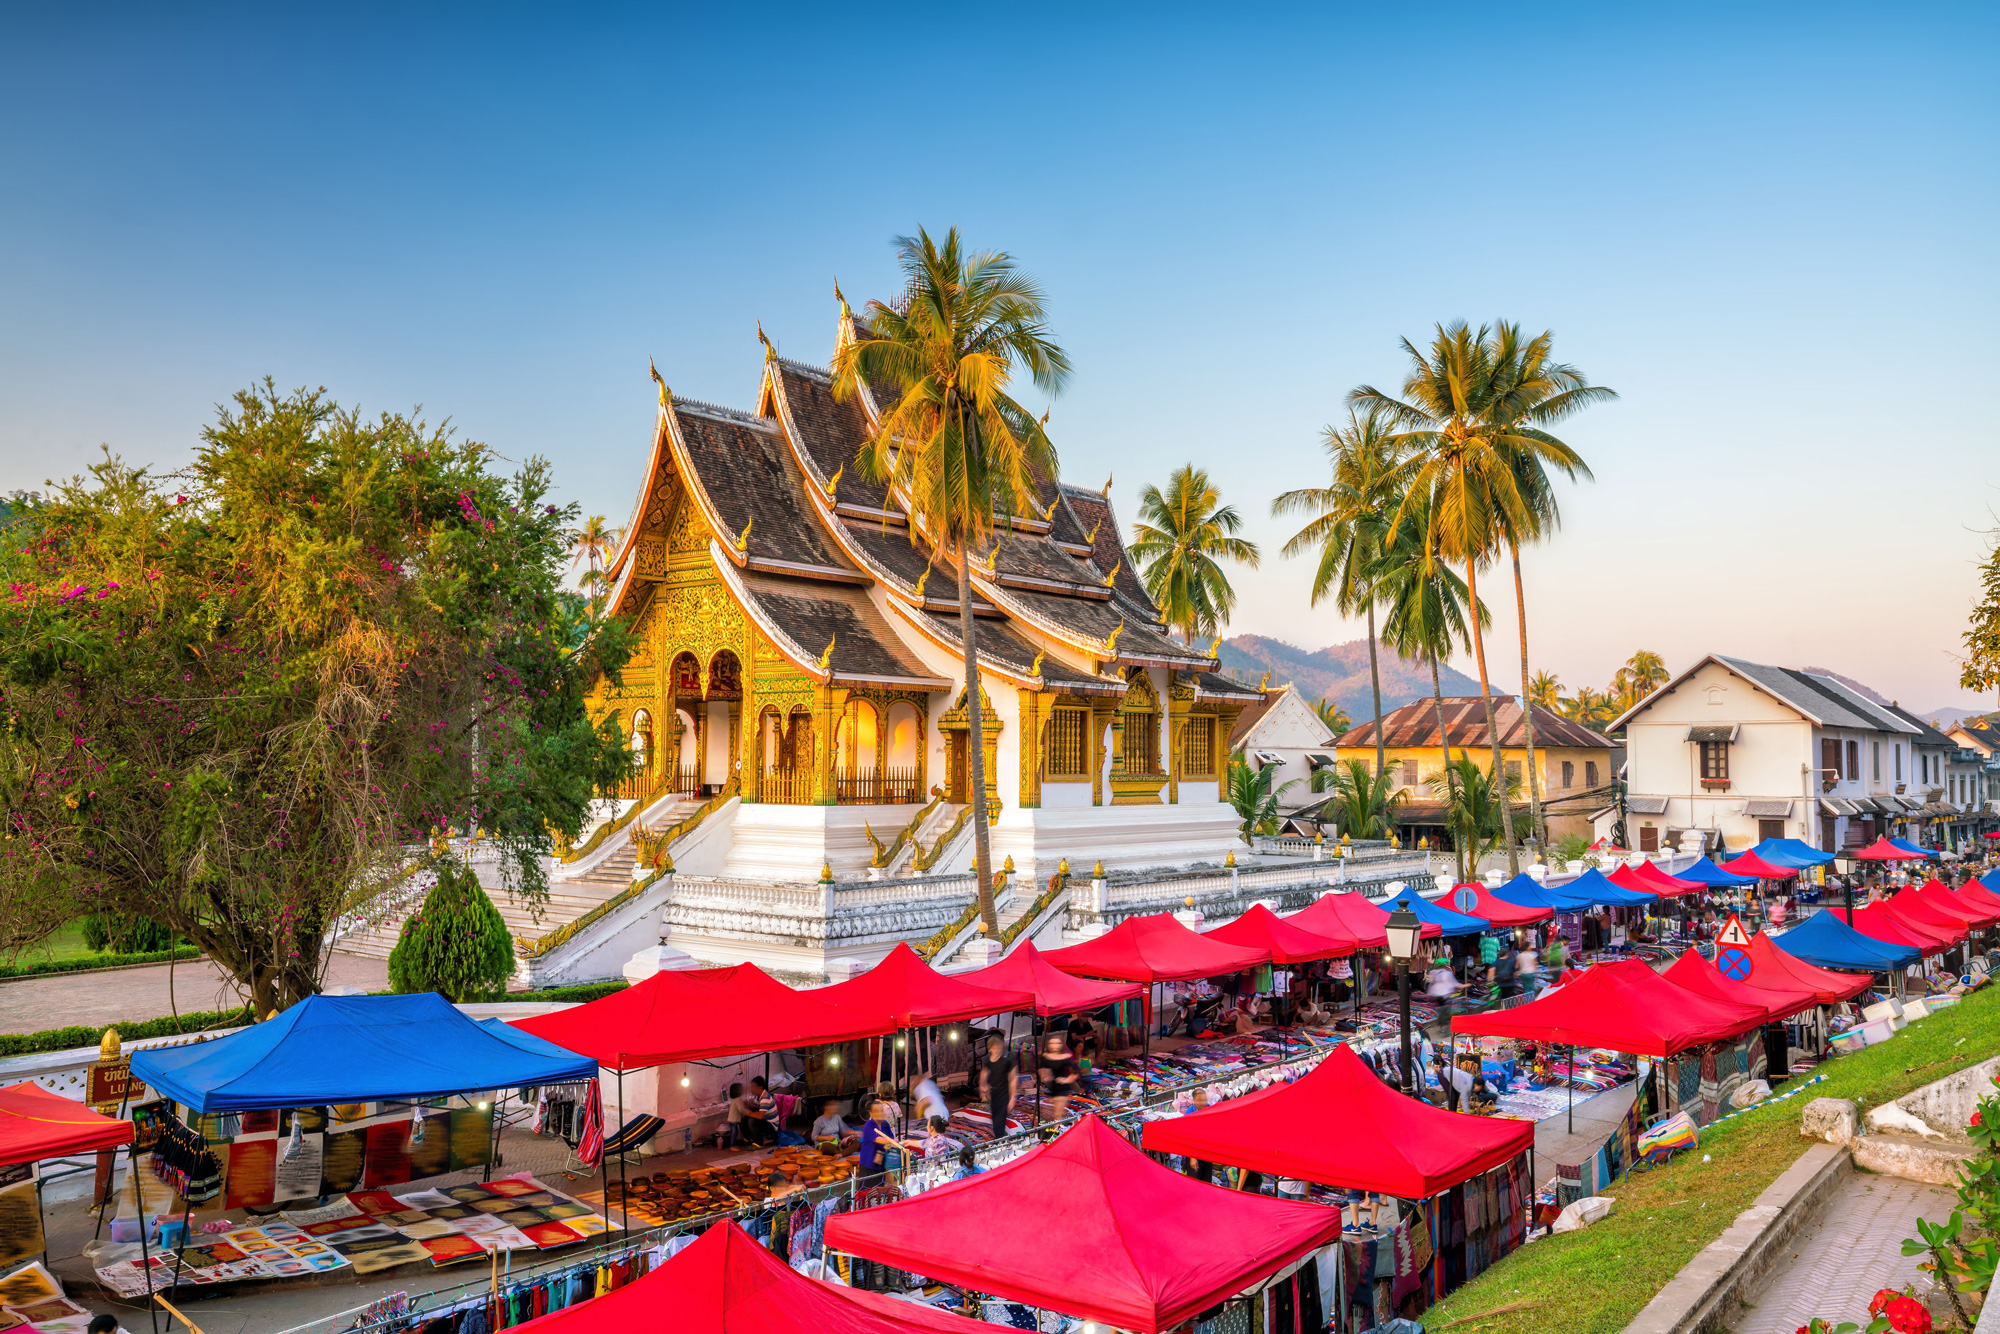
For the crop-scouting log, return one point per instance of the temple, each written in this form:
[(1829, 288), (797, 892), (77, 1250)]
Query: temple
[(798, 662)]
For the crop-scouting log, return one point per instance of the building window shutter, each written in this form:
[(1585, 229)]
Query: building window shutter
[(1590, 773), (1069, 751), (1854, 761), (1198, 746), (1409, 773), (1569, 774)]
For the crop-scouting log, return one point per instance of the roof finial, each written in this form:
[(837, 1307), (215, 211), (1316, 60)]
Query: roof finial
[(1111, 642), (743, 538), (922, 579), (1215, 646), (1049, 514), (1264, 684), (840, 298), (1107, 485), (666, 394), (770, 353), (992, 560), (1035, 667), (833, 482), (1092, 538), (827, 656), (1116, 566)]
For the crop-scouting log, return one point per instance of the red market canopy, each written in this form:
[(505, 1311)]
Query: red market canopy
[(1882, 850), (726, 1282), (1751, 864), (701, 1013), (1374, 1138), (1475, 900), (1091, 1227), (1915, 912), (1154, 949), (1648, 876), (1621, 1006), (1976, 897), (1352, 916), (1772, 991), (1830, 986), (37, 1124), (1940, 902), (1283, 940), (1880, 921), (1054, 991), (915, 995)]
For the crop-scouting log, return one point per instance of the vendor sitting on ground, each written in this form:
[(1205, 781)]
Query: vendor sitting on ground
[(1481, 1100)]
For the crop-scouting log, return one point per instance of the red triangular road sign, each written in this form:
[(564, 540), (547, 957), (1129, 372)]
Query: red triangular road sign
[(1734, 934)]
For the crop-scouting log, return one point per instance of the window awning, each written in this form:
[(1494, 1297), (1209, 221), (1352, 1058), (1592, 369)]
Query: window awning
[(1267, 757), (1762, 808), (1835, 806), (1318, 761), (1646, 805), (1724, 732)]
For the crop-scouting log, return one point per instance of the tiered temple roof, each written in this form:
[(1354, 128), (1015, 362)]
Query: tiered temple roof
[(799, 535)]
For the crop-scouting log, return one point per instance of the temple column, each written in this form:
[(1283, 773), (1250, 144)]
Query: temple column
[(1034, 716)]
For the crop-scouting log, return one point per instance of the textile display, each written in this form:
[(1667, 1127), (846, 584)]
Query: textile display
[(20, 1223), (370, 1231), (1668, 1137)]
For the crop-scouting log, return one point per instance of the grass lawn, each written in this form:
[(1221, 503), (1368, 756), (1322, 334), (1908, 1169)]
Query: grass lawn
[(1595, 1281), (66, 943)]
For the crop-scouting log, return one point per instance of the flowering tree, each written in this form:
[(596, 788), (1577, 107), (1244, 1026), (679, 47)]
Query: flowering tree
[(240, 699)]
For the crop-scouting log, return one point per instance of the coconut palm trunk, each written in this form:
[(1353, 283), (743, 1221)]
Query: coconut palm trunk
[(1375, 684), (975, 735), (1492, 726), (1536, 823), (1444, 740)]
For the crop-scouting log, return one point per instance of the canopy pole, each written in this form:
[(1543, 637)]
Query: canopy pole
[(1146, 1052), (603, 1159), (1571, 1081), (624, 1205), (145, 1254)]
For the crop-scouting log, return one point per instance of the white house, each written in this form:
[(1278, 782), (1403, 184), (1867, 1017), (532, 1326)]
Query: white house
[(1743, 751), (1283, 731)]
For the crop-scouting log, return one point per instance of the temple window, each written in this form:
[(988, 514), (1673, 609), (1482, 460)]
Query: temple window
[(1069, 743), (1198, 747)]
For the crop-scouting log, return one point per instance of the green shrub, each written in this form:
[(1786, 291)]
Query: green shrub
[(79, 1035), (456, 944), (125, 933), (89, 962)]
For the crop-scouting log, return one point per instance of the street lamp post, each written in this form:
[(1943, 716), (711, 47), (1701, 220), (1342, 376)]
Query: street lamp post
[(1404, 930)]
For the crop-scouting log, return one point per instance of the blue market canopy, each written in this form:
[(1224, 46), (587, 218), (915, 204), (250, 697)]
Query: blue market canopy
[(329, 1049), (1451, 923), (1709, 873), (1825, 940), (1790, 852), (1601, 888), (1908, 846), (1524, 890)]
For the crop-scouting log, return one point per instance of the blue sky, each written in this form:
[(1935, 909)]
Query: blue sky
[(1770, 229)]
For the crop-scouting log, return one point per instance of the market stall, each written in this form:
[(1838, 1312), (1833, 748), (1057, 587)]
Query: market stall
[(1027, 969), (1283, 941), (1115, 1236), (1622, 1006), (1706, 872), (36, 1124), (1468, 1179), (1771, 991), (1449, 921), (1918, 848), (1884, 921), (1753, 867), (1828, 987), (1476, 900), (1157, 948), (1790, 852), (915, 995), (1975, 895), (1526, 891), (1373, 1138), (1827, 941), (1351, 915), (724, 1282)]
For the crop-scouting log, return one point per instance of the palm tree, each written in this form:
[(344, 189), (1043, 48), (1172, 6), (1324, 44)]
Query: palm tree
[(954, 446), (1590, 707), (1252, 794), (1545, 691), (1474, 813), (1427, 604), (1180, 537), (593, 544), (1364, 803), (1643, 673), (1466, 419), (1335, 717), (1534, 391), (1347, 521)]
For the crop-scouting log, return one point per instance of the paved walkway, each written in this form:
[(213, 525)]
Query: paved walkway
[(31, 1004), (1594, 1118), (1854, 1248)]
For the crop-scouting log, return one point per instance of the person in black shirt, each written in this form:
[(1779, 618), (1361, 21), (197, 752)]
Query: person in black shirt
[(996, 1082), (1059, 1074)]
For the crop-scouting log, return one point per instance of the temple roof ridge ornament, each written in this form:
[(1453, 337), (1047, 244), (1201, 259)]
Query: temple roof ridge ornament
[(1114, 573), (770, 352), (1111, 641), (702, 408), (743, 538)]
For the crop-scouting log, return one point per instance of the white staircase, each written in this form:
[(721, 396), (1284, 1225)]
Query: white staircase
[(568, 899)]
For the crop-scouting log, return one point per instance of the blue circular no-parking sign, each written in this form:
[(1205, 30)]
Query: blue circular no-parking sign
[(1465, 898), (1733, 963)]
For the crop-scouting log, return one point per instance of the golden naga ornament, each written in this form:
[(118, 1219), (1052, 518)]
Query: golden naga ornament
[(666, 394), (827, 656), (922, 579), (1115, 568), (743, 538)]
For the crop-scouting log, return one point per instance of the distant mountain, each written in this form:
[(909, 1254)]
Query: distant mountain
[(1340, 672), (1946, 717)]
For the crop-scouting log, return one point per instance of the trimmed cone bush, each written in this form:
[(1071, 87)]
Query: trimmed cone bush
[(456, 944)]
